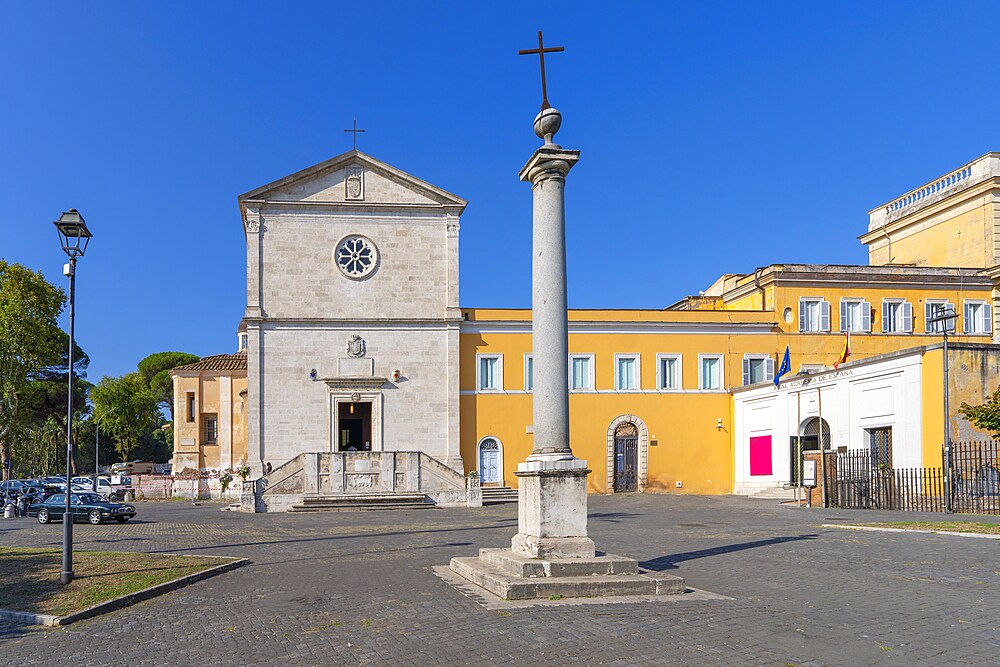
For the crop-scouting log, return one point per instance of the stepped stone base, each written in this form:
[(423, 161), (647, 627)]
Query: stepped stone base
[(511, 576)]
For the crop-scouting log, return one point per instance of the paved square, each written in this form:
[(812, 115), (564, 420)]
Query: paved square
[(358, 589)]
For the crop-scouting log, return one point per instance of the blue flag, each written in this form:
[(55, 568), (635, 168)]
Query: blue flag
[(786, 366)]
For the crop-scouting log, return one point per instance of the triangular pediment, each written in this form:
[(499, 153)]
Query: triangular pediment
[(354, 178)]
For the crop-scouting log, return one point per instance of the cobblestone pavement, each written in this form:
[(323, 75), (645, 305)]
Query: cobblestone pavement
[(357, 589)]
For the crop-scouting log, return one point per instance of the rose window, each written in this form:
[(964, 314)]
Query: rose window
[(356, 256)]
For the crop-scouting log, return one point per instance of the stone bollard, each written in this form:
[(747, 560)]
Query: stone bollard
[(473, 491)]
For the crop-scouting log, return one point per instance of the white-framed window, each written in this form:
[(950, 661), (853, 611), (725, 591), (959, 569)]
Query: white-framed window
[(936, 308), (757, 368), (489, 372), (627, 372), (581, 372), (814, 314), (978, 316), (855, 315), (668, 372), (897, 316), (243, 341), (211, 422), (529, 372), (710, 372)]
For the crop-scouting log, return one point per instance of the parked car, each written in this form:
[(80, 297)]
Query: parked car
[(100, 485), (18, 485), (83, 507), (74, 488)]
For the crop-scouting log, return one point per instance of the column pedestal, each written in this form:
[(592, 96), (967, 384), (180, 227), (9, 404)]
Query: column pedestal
[(552, 510)]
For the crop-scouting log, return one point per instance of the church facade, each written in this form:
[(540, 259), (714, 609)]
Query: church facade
[(356, 343), (352, 313)]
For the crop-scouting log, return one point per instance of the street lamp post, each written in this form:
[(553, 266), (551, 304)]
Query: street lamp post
[(943, 317), (74, 236)]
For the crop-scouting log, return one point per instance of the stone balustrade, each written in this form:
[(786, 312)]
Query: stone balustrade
[(973, 173)]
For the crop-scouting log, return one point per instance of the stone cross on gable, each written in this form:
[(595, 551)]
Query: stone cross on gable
[(541, 51)]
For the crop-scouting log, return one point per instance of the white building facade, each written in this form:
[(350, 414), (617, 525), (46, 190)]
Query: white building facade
[(352, 313), (874, 404)]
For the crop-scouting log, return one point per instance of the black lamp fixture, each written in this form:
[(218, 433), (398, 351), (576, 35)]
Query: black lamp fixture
[(73, 233)]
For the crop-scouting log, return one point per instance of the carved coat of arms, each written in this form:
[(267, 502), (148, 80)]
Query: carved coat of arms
[(355, 183), (355, 347)]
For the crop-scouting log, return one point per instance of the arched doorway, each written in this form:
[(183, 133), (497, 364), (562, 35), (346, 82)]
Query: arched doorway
[(628, 454), (490, 458), (809, 439), (810, 434), (626, 458)]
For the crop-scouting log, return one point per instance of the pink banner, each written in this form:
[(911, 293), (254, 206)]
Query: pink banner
[(760, 455)]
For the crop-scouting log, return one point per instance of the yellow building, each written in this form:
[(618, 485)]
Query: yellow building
[(210, 414), (665, 378)]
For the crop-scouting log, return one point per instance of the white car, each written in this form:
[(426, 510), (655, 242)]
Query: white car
[(101, 485)]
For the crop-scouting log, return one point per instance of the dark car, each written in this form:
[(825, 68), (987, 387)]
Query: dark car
[(84, 507)]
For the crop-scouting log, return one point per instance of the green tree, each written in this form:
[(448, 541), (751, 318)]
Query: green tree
[(43, 398), (29, 341), (155, 373), (986, 416), (129, 410)]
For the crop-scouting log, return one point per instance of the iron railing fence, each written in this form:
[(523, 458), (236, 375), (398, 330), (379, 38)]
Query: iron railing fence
[(975, 477), (864, 480), (861, 483)]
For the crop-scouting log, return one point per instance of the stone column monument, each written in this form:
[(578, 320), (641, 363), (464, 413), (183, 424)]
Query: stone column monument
[(552, 483), (551, 554)]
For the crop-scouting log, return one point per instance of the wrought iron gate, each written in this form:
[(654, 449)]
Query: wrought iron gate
[(626, 457)]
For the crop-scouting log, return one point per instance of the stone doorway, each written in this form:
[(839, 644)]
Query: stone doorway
[(354, 422), (626, 458), (490, 462)]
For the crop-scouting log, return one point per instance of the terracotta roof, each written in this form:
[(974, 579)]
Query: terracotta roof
[(217, 362)]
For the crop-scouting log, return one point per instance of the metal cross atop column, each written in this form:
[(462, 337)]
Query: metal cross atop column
[(541, 51)]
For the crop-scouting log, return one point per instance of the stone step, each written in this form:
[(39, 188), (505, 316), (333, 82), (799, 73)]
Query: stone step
[(777, 493), (365, 498), (493, 495), (363, 507), (509, 587), (362, 502), (517, 565)]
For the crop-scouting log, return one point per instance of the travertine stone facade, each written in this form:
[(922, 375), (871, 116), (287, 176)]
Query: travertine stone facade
[(302, 308)]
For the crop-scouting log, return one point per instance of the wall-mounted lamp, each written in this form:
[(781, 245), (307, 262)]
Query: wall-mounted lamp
[(395, 375), (718, 424), (312, 374), (352, 408)]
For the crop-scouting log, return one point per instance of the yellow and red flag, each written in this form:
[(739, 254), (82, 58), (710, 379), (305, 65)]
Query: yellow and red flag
[(845, 354)]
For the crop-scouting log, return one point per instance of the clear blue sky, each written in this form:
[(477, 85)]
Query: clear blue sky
[(716, 137)]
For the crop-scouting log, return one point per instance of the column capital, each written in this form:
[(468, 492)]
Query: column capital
[(548, 162)]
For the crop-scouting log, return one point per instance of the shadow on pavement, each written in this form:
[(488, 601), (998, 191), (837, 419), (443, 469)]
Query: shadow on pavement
[(348, 536), (670, 561)]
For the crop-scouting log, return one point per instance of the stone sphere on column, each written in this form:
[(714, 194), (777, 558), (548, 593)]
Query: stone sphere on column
[(547, 123)]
